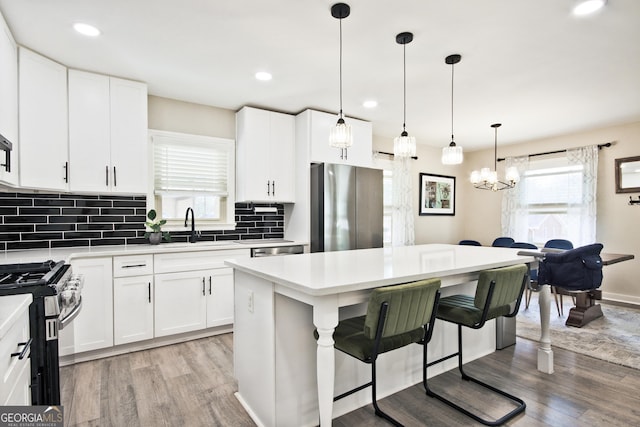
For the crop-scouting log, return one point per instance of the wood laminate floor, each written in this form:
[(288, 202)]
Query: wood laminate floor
[(192, 384)]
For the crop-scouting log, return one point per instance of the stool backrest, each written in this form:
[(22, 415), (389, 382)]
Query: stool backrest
[(509, 285), (409, 307), (468, 242)]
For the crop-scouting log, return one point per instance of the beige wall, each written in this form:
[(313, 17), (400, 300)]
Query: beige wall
[(185, 117)]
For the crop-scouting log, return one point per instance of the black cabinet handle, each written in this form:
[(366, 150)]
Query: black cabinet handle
[(209, 285), (134, 265), (21, 355), (273, 188), (203, 290), (115, 178), (66, 172), (106, 175), (149, 292), (268, 190), (7, 162)]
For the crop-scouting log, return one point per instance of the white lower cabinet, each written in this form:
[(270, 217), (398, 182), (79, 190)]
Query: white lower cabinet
[(92, 329), (132, 309), (132, 298), (15, 366), (189, 301), (181, 304), (220, 297)]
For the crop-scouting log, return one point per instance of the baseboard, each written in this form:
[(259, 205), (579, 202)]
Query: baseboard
[(627, 299)]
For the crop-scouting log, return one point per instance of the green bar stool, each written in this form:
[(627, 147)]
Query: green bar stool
[(498, 293), (397, 316)]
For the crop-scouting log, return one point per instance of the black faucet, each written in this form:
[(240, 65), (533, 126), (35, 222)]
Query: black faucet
[(194, 235)]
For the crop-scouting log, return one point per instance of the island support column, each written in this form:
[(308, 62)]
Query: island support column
[(545, 353), (325, 319)]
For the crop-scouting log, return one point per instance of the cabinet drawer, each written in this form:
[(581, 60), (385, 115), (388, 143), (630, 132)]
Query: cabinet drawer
[(189, 261), (11, 367), (132, 265)]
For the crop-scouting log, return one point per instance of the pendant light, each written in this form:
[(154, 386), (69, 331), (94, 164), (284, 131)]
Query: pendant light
[(487, 179), (452, 155), (404, 145), (340, 135)]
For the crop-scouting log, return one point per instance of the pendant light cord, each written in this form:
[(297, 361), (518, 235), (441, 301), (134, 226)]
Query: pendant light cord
[(340, 20), (404, 78), (495, 150), (452, 65)]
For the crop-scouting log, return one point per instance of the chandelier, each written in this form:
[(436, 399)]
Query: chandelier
[(487, 179)]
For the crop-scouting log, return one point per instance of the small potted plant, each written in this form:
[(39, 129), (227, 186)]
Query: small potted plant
[(155, 224)]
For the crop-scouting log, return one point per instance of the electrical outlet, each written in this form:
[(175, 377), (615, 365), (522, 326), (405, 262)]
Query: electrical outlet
[(250, 301)]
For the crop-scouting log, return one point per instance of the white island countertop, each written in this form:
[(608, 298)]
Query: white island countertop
[(326, 273)]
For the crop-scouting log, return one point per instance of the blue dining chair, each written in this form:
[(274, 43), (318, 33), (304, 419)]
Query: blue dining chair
[(558, 244), (469, 243), (503, 242)]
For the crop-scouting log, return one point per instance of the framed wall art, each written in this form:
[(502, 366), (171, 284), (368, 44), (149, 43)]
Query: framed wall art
[(437, 194)]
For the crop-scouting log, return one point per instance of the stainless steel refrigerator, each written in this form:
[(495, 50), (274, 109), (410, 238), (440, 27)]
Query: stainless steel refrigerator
[(346, 207)]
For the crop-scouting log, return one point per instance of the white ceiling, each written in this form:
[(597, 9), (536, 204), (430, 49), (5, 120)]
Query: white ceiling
[(529, 65)]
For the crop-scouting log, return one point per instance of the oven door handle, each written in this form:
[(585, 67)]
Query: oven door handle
[(27, 345), (76, 310)]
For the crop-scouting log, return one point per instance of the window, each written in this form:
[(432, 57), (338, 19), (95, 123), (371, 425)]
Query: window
[(193, 171), (555, 199)]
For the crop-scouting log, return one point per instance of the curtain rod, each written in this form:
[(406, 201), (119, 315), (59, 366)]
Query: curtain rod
[(393, 155), (600, 147)]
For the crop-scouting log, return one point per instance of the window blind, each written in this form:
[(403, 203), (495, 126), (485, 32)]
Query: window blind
[(183, 166)]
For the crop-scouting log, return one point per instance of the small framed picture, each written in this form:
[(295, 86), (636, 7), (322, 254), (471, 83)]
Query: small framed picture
[(437, 194)]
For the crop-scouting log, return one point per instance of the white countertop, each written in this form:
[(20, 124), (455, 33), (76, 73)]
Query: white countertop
[(326, 273), (65, 254), (11, 306)]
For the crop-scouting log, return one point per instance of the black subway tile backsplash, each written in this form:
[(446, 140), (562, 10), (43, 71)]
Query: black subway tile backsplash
[(50, 220)]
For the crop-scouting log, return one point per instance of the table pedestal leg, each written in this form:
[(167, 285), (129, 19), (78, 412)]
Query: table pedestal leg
[(545, 353), (325, 319)]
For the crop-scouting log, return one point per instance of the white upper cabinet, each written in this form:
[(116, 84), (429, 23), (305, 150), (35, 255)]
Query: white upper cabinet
[(318, 126), (9, 104), (43, 119), (265, 156), (107, 134)]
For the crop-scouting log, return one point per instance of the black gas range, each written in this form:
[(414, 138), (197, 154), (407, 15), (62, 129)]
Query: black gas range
[(57, 300)]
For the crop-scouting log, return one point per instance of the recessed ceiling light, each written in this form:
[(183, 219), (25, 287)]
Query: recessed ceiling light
[(263, 76), (587, 7), (86, 29), (370, 104)]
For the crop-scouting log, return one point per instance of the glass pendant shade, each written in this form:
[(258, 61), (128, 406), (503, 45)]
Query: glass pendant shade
[(512, 175), (404, 145), (340, 135), (452, 155)]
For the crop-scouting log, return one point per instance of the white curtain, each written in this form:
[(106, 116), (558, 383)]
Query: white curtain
[(582, 215), (514, 206), (403, 233), (581, 210)]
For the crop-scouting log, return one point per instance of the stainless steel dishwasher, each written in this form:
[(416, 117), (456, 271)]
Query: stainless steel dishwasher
[(277, 251)]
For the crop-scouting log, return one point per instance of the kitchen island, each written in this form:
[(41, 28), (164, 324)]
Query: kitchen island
[(286, 378)]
